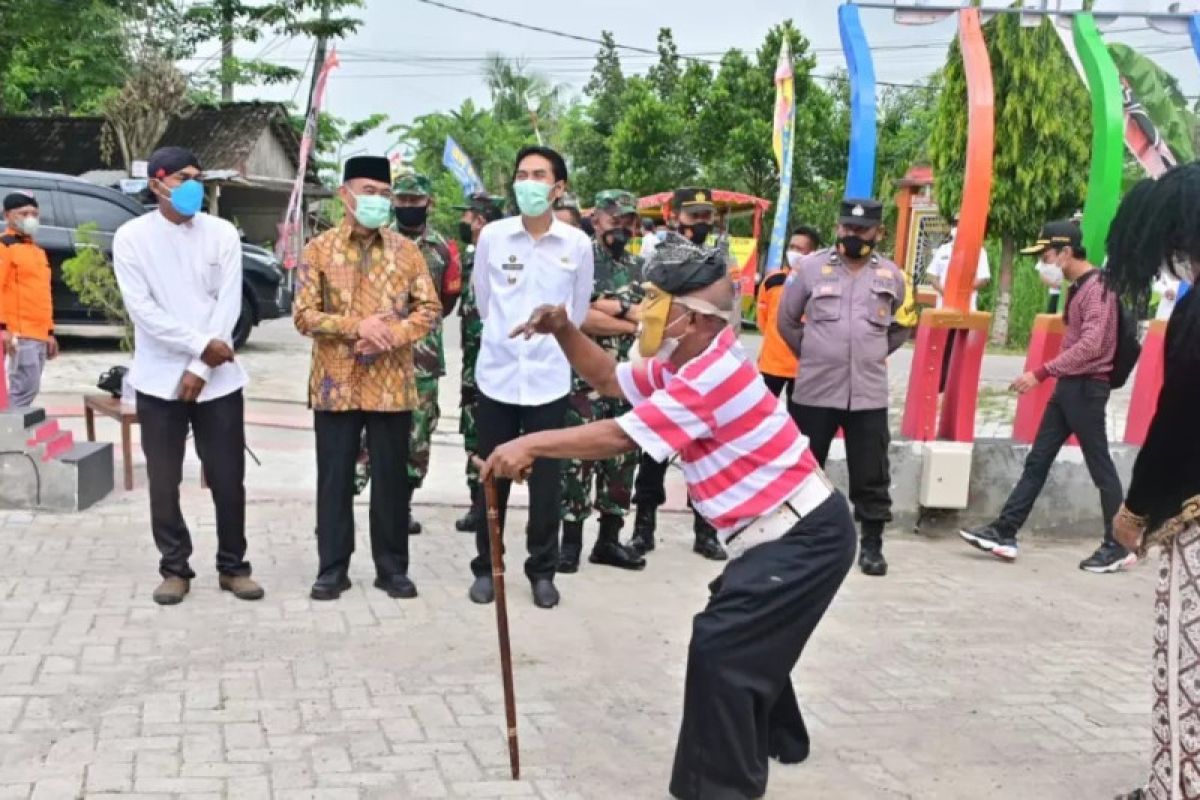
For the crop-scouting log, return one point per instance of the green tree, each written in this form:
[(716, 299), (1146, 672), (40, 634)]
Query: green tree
[(647, 146), (231, 21), (666, 74), (1043, 125)]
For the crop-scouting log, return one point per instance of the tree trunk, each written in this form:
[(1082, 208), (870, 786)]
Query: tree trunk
[(227, 53), (1008, 252)]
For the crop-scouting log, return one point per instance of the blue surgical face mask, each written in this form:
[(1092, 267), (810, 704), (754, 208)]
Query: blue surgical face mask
[(187, 197)]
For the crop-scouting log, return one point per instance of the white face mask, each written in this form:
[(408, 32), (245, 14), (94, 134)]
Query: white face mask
[(28, 225), (1051, 272), (794, 257)]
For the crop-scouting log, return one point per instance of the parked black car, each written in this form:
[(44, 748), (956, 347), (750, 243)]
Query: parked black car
[(66, 202)]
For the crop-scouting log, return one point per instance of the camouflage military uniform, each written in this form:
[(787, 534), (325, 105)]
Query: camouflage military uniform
[(429, 364), (613, 477), (472, 329)]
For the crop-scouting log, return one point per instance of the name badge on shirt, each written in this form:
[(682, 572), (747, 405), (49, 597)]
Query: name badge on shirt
[(512, 270)]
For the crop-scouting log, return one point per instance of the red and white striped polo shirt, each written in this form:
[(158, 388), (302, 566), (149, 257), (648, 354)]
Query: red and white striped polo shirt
[(742, 455)]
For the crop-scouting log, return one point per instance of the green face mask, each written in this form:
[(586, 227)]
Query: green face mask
[(533, 197), (372, 211)]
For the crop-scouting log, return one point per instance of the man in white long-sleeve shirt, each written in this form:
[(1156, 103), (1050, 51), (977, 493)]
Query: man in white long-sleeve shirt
[(180, 273), (521, 263)]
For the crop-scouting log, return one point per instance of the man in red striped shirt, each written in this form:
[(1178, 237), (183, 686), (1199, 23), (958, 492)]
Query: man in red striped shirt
[(749, 472)]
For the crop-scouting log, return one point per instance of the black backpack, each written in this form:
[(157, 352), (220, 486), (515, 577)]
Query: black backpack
[(1129, 349)]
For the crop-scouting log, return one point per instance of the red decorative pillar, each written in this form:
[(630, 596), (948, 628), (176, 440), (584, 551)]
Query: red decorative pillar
[(1045, 342), (1146, 384)]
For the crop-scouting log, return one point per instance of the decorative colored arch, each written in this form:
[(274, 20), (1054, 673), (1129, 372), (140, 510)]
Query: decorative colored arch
[(860, 173), (1194, 33), (1108, 135), (977, 181)]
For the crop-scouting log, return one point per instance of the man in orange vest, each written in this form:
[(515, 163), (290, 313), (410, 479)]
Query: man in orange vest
[(776, 361), (26, 313)]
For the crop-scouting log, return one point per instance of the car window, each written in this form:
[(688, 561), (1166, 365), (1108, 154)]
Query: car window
[(107, 215), (43, 196)]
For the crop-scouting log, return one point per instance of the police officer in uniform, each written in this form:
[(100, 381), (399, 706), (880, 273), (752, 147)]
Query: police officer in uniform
[(412, 200), (838, 315), (481, 209), (610, 322), (691, 215)]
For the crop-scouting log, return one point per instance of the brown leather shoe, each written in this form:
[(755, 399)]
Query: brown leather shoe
[(171, 591), (242, 586)]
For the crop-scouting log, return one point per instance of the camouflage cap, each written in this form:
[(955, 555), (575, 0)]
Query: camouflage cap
[(411, 182), (680, 267), (616, 201), (489, 206)]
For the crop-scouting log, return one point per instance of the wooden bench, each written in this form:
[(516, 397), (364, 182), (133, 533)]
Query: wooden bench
[(109, 406)]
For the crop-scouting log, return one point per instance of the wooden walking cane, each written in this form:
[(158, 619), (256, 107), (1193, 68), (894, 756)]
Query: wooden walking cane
[(497, 544)]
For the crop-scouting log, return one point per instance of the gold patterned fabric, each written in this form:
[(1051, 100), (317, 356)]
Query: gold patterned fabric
[(344, 278)]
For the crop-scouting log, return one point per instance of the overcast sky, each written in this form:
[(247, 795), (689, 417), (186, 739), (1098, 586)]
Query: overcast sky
[(410, 58)]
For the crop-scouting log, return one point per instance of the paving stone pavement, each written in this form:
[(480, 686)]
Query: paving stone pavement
[(954, 677)]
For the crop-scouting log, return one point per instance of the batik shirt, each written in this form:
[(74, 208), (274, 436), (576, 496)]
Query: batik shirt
[(344, 278)]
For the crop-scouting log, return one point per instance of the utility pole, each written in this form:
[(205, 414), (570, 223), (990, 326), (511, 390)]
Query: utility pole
[(227, 14), (319, 56)]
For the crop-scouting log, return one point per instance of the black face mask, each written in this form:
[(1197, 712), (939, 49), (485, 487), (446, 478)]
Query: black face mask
[(466, 234), (411, 217), (696, 233), (854, 247), (616, 241)]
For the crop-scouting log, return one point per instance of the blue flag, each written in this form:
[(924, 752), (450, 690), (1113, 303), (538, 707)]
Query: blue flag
[(458, 162)]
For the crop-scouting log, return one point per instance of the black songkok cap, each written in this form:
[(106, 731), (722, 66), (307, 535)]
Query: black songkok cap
[(19, 200), (168, 160), (860, 212), (679, 267), (376, 168)]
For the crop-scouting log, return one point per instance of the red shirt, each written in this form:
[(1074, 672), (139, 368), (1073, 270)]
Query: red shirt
[(742, 455), (1090, 344)]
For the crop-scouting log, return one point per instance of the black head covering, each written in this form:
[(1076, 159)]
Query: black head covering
[(861, 212), (376, 168), (680, 267), (19, 200), (168, 160)]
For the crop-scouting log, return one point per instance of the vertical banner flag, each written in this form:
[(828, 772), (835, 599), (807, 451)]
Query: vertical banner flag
[(291, 230), (785, 124), (459, 163)]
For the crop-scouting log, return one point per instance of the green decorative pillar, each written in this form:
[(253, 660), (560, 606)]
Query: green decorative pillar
[(1108, 135)]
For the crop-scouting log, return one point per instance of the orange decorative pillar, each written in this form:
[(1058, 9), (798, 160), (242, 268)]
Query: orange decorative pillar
[(968, 328), (1146, 384)]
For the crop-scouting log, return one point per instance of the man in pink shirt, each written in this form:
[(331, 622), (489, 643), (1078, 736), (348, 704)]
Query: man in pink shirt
[(1077, 406), (751, 475)]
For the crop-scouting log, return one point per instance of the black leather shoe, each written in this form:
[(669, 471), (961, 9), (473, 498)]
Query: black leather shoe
[(544, 593), (642, 540), (871, 561), (481, 590), (572, 545), (414, 527), (398, 586), (467, 522), (330, 588), (615, 554), (710, 548)]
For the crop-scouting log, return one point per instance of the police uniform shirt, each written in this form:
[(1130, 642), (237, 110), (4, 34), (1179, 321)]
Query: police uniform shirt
[(513, 275)]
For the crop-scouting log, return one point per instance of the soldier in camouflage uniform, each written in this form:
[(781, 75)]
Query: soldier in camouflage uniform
[(481, 209), (412, 201), (616, 292)]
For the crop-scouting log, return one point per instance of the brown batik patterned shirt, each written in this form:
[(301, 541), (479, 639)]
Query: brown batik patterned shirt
[(344, 278)]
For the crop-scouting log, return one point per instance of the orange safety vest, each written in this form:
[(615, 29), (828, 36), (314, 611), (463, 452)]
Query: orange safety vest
[(775, 357), (25, 306)]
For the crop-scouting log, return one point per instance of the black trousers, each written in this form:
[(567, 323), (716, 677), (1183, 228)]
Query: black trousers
[(739, 706), (867, 440), (498, 423), (339, 436), (778, 383), (1076, 407), (650, 489), (220, 438)]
